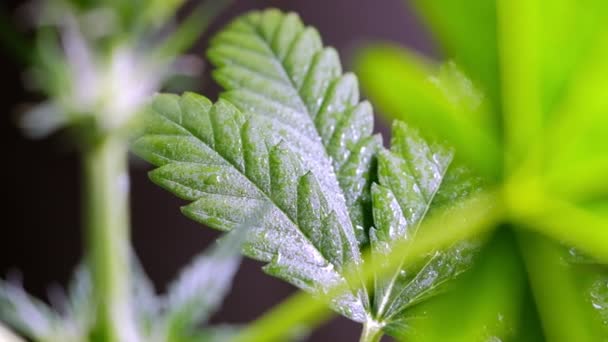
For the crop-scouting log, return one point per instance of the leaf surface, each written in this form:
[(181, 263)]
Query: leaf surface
[(467, 33), (228, 164), (203, 284), (414, 179), (274, 66), (291, 133)]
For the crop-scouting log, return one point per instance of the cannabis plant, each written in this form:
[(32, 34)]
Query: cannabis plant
[(483, 219)]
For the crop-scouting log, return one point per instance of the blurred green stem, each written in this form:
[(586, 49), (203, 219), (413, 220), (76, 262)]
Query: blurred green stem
[(372, 332), (191, 28), (106, 193)]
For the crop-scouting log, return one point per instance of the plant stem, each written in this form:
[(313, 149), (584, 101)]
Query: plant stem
[(372, 332), (106, 193)]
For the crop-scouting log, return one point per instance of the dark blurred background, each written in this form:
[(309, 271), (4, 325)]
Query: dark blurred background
[(41, 220)]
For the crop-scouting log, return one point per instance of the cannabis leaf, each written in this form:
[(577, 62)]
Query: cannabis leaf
[(274, 66), (201, 286), (414, 178), (68, 321), (228, 164), (290, 133)]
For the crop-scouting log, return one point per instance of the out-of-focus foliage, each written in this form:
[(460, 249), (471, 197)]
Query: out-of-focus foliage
[(7, 335), (487, 301), (175, 316), (414, 90), (542, 68), (99, 62), (467, 33)]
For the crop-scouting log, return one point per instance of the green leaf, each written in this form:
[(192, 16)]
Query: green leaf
[(556, 286), (274, 66), (229, 164), (440, 101), (596, 288), (474, 217), (68, 319), (572, 31), (467, 33), (414, 179), (486, 304), (291, 134), (581, 116), (27, 314), (202, 285)]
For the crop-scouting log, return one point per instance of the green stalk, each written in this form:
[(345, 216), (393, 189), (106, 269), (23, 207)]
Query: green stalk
[(372, 332), (106, 193)]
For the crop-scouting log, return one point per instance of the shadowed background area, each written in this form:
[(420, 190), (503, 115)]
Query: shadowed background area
[(41, 235)]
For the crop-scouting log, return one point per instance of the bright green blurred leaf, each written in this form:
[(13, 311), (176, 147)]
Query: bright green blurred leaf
[(484, 306), (556, 291), (474, 217), (569, 33), (518, 35), (577, 134), (466, 31), (401, 85)]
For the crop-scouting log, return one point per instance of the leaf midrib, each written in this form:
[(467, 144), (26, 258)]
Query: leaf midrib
[(277, 61)]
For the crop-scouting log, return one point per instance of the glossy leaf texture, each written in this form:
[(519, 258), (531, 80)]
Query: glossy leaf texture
[(228, 164), (414, 179), (274, 66)]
